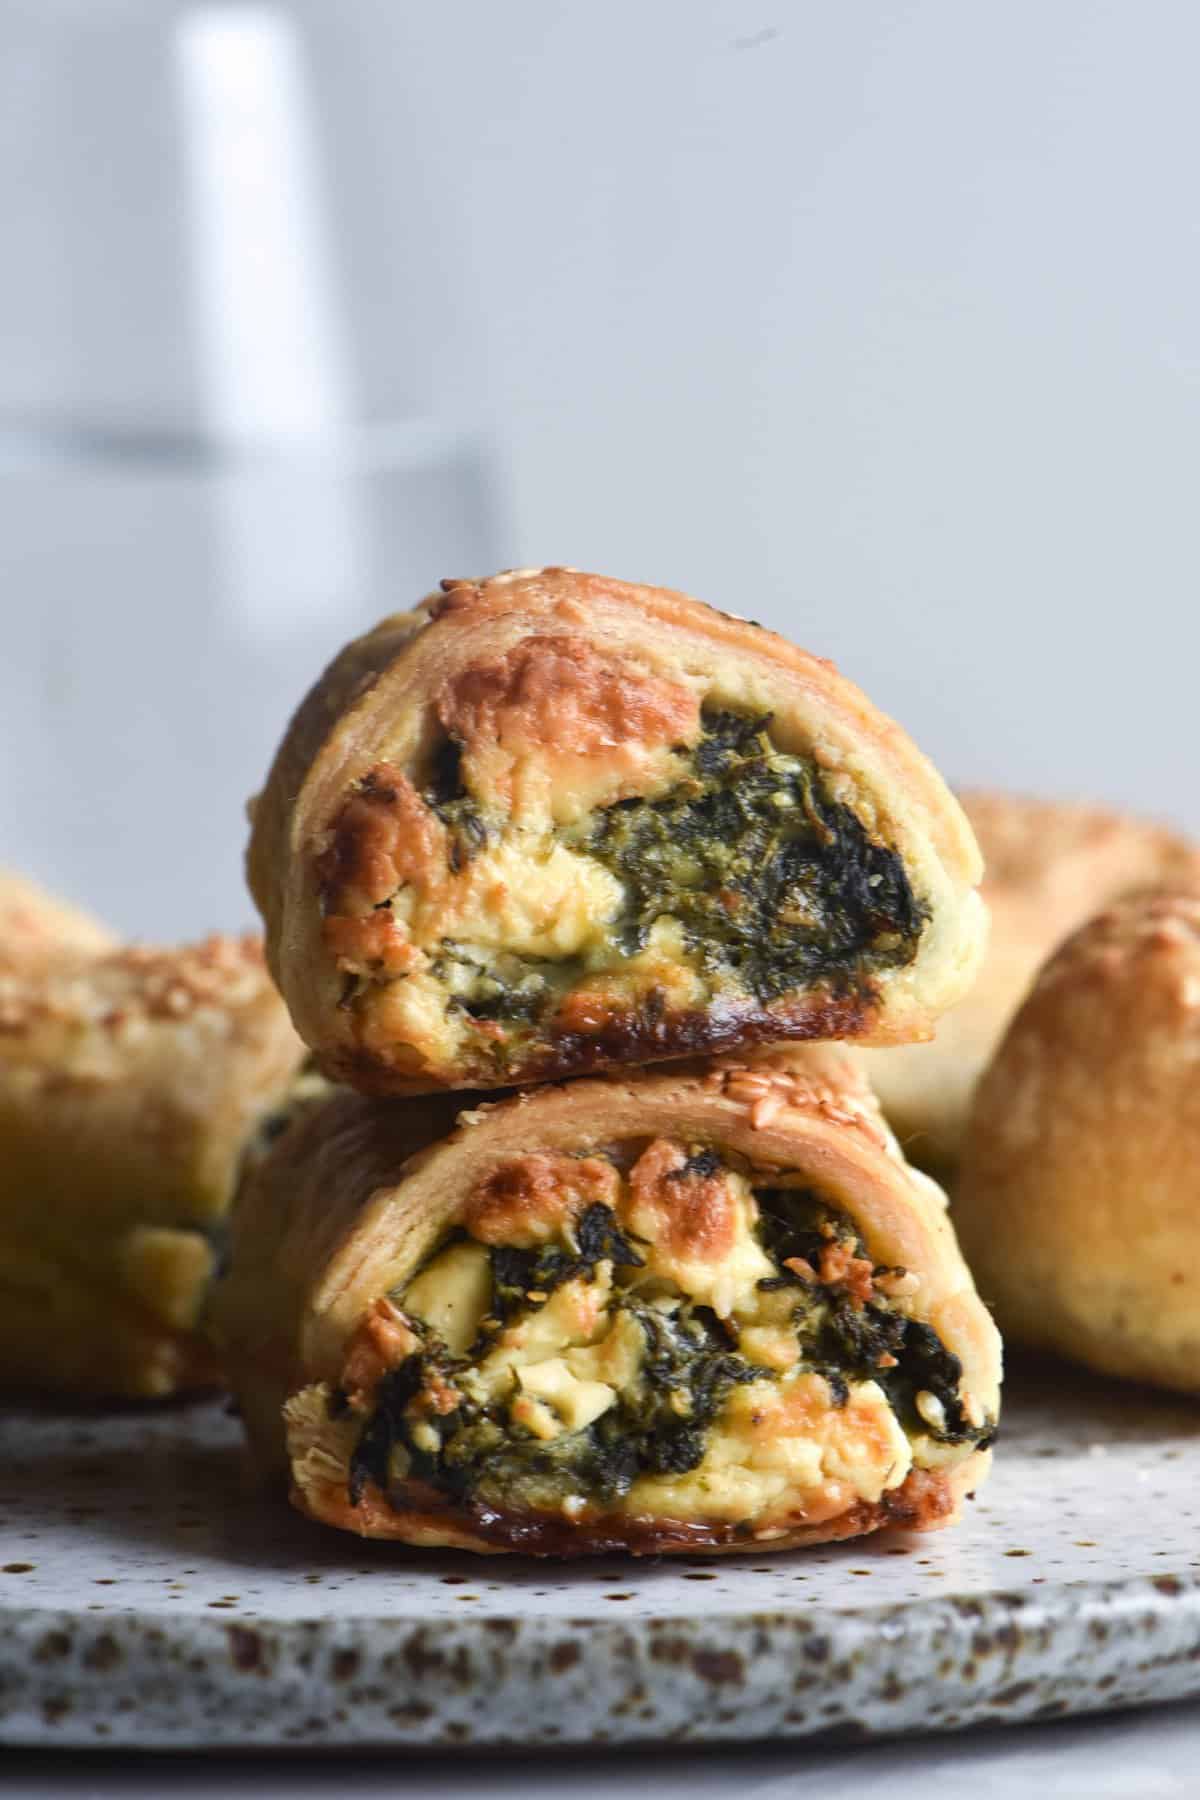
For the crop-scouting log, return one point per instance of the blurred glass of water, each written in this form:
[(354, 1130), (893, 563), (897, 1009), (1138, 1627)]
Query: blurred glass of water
[(164, 613), (197, 508)]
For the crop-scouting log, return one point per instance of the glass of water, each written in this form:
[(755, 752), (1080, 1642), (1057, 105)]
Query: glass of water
[(201, 496)]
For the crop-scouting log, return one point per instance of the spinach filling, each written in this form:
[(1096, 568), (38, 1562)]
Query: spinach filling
[(688, 1365), (446, 794), (516, 1274), (772, 882), (843, 1339), (660, 1427), (775, 885), (689, 1362), (518, 990)]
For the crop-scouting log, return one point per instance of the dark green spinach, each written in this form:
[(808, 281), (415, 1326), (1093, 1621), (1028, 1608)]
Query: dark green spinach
[(516, 1274), (844, 1339), (772, 881)]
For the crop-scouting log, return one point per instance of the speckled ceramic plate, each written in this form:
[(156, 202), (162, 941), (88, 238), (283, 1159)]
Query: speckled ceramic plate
[(149, 1598)]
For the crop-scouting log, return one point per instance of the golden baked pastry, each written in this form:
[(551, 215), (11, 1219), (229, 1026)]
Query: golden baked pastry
[(709, 1306), (130, 1083), (39, 928), (1047, 867), (1077, 1197), (551, 822)]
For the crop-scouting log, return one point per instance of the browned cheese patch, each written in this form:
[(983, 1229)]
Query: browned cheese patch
[(530, 1199), (689, 1211), (383, 837), (559, 692)]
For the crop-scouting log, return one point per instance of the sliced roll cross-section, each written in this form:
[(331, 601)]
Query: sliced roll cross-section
[(710, 1307), (131, 1084), (550, 822)]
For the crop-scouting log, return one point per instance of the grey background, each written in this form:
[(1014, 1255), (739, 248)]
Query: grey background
[(879, 323)]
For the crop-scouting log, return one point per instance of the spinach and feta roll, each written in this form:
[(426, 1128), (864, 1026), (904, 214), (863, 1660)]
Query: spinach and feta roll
[(38, 929), (704, 1307), (1048, 867), (130, 1084), (1078, 1200), (549, 823)]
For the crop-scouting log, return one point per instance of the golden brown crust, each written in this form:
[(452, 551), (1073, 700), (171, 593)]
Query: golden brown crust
[(1076, 1201), (1048, 866), (356, 1196), (555, 677), (129, 1085)]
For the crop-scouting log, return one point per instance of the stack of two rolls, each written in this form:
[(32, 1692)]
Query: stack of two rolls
[(521, 1291)]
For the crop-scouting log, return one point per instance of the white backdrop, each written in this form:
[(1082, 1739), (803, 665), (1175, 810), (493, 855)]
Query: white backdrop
[(879, 323)]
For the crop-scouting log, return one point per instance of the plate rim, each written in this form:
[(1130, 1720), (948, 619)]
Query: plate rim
[(1005, 1656)]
